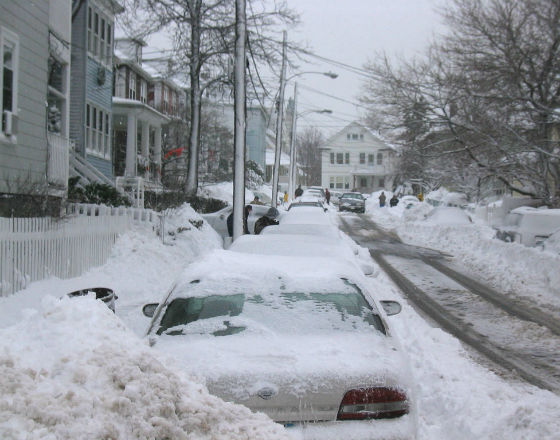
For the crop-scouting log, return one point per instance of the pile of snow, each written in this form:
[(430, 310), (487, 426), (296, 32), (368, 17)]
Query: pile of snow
[(71, 370)]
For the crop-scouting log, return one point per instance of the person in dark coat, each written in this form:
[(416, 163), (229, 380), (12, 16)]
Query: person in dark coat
[(327, 196), (299, 191), (229, 222), (266, 220), (394, 201), (382, 199)]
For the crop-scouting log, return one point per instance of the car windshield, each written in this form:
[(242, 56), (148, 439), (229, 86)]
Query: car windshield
[(286, 312), (352, 196)]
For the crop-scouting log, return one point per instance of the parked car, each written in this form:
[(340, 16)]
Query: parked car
[(335, 195), (448, 215), (310, 348), (352, 201), (409, 201), (218, 220), (101, 293), (529, 226)]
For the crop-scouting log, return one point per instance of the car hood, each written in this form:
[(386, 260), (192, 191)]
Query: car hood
[(290, 378)]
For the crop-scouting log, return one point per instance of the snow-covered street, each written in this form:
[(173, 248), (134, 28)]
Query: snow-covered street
[(66, 360)]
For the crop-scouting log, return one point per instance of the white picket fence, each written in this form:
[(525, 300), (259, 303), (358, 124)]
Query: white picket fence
[(32, 249)]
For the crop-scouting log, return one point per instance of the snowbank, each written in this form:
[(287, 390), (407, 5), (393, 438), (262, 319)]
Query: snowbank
[(512, 268), (71, 370)]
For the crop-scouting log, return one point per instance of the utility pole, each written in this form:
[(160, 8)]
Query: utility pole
[(279, 123), (240, 121), (293, 157)]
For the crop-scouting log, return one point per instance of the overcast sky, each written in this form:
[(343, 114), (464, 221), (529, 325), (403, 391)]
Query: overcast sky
[(353, 32)]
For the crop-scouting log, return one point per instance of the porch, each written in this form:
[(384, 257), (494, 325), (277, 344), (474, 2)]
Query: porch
[(137, 141)]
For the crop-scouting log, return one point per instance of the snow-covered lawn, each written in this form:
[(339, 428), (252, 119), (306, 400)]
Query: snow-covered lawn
[(71, 369)]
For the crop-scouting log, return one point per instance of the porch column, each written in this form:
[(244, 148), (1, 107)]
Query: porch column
[(130, 169), (146, 146), (157, 152)]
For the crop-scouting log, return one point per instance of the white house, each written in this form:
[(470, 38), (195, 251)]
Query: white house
[(355, 159)]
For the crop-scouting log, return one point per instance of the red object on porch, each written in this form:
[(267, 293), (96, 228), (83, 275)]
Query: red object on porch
[(175, 152)]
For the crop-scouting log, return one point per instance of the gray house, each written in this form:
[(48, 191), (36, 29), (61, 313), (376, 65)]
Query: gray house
[(35, 57), (91, 115)]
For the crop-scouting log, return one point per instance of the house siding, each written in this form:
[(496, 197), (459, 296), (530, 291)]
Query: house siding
[(23, 164)]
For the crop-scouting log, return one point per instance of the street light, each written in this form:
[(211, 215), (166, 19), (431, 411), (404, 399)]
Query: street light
[(293, 156), (277, 152)]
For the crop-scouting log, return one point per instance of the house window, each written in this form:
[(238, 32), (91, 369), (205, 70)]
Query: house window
[(143, 91), (354, 136), (339, 182), (99, 36), (381, 182), (56, 96), (332, 158), (339, 158), (98, 123), (379, 158), (370, 160), (362, 158), (331, 182), (361, 137), (131, 85), (9, 44), (347, 158), (363, 182)]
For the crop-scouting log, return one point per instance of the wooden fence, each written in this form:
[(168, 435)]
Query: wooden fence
[(32, 249)]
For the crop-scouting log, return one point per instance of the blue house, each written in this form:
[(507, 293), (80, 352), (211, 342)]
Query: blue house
[(91, 89)]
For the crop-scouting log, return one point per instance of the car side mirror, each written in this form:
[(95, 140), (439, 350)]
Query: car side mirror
[(391, 307), (149, 309)]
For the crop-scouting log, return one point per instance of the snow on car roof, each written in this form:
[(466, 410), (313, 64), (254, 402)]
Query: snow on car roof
[(447, 215), (306, 215), (304, 229), (252, 273)]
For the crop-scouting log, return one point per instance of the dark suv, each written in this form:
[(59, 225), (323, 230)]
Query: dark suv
[(352, 201)]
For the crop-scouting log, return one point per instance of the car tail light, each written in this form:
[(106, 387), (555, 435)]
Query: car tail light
[(373, 403)]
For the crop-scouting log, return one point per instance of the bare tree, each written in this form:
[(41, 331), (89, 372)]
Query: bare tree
[(309, 155), (491, 90), (203, 33)]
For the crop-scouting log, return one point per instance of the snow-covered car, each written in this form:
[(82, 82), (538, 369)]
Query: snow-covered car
[(335, 196), (302, 202), (352, 201), (322, 230), (314, 193), (529, 226), (447, 215), (301, 340), (409, 201), (218, 220), (306, 214), (104, 294)]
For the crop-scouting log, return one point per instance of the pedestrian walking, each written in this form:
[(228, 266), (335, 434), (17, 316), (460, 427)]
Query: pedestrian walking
[(394, 201), (327, 196), (382, 199)]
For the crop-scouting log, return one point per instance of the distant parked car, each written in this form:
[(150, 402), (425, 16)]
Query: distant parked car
[(335, 196), (352, 201), (529, 226), (218, 220), (409, 201)]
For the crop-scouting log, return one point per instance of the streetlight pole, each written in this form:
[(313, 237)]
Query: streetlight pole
[(279, 124), (293, 157), (280, 120)]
